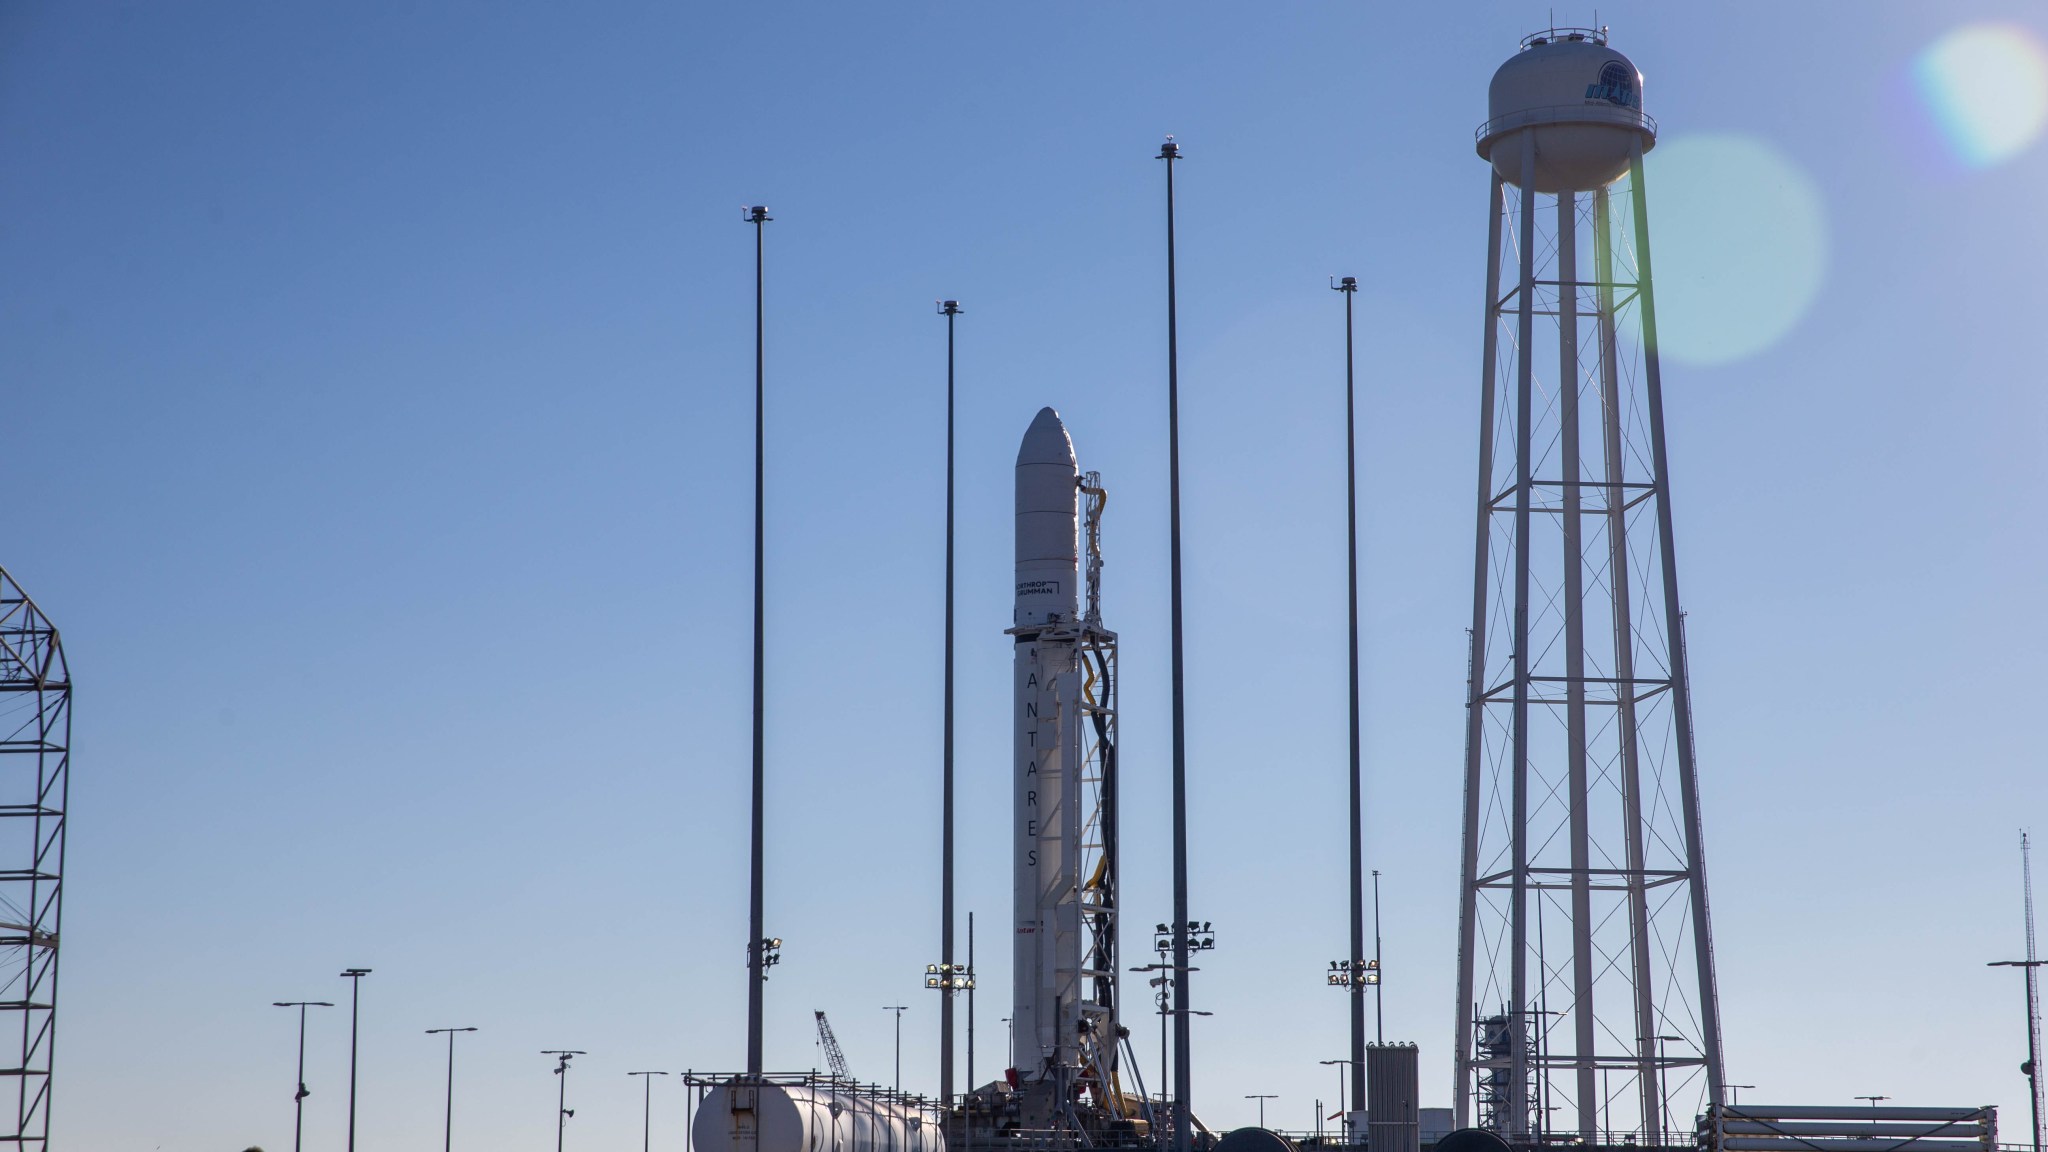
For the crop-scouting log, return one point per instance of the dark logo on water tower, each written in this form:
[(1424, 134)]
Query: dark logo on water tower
[(1617, 86)]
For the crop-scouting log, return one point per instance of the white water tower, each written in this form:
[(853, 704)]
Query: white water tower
[(1586, 1002)]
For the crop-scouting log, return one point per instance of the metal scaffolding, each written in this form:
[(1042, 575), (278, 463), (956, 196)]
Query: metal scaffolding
[(35, 746)]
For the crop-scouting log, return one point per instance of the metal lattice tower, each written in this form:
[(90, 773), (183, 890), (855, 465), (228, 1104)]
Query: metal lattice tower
[(1586, 1002), (35, 747)]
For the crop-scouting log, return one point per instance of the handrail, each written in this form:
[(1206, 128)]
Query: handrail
[(1594, 35), (1608, 114)]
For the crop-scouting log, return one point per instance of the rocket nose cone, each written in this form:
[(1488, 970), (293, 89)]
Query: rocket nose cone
[(1046, 441)]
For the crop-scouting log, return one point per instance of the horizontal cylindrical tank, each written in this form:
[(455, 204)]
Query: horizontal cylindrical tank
[(809, 1118), (1577, 100)]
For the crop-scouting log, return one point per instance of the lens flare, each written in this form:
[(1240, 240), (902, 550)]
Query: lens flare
[(1741, 244), (1986, 86)]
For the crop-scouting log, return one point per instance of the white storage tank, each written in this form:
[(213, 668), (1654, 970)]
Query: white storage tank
[(1578, 99), (741, 1117)]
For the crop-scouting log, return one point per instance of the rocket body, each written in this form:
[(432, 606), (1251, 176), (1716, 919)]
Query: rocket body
[(1046, 838)]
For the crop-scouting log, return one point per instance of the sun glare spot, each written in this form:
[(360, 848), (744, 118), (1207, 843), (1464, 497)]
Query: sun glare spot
[(1986, 86), (1741, 243)]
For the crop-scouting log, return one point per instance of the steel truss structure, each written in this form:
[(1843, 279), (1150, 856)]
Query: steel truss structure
[(35, 758), (1098, 815), (1586, 971)]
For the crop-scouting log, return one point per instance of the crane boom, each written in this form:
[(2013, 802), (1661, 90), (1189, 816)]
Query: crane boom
[(835, 1060)]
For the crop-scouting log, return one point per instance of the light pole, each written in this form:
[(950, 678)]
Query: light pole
[(970, 1011), (1162, 996), (355, 978), (950, 309), (1379, 987), (562, 1110), (1349, 288), (448, 1126), (1343, 1128), (646, 1108), (1873, 1101), (899, 1010), (299, 1097), (947, 979), (757, 970), (1262, 1097), (1182, 1072), (1735, 1093), (1664, 1088)]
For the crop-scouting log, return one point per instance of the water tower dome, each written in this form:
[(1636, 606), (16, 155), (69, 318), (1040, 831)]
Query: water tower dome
[(1580, 99)]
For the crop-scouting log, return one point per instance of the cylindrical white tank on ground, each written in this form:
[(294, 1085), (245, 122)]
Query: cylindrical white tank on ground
[(1577, 100), (809, 1118)]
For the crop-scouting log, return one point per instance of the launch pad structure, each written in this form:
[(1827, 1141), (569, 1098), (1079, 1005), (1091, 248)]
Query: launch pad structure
[(1587, 1012), (1065, 1084), (1069, 1048)]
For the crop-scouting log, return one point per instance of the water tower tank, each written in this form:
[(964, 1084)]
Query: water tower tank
[(1582, 102)]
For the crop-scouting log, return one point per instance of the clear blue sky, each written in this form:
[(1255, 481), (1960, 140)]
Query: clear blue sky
[(378, 401)]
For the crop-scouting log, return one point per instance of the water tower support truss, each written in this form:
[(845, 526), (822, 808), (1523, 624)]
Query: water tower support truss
[(1586, 1002), (35, 756)]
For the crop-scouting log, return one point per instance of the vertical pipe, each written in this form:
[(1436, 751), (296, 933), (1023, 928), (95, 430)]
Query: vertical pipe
[(1518, 960), (1674, 633), (1182, 1074), (1570, 379), (1620, 587), (1475, 707), (1357, 902), (946, 835), (759, 217)]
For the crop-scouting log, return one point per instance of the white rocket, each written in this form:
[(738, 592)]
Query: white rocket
[(1064, 667)]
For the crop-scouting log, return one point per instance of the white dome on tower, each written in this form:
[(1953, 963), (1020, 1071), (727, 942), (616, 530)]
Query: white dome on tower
[(1581, 102)]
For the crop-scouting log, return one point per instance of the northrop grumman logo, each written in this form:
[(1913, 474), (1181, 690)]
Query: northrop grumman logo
[(1038, 588), (1617, 86)]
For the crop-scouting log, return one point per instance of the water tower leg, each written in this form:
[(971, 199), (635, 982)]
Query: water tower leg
[(1466, 1015), (1569, 380), (1516, 1121)]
